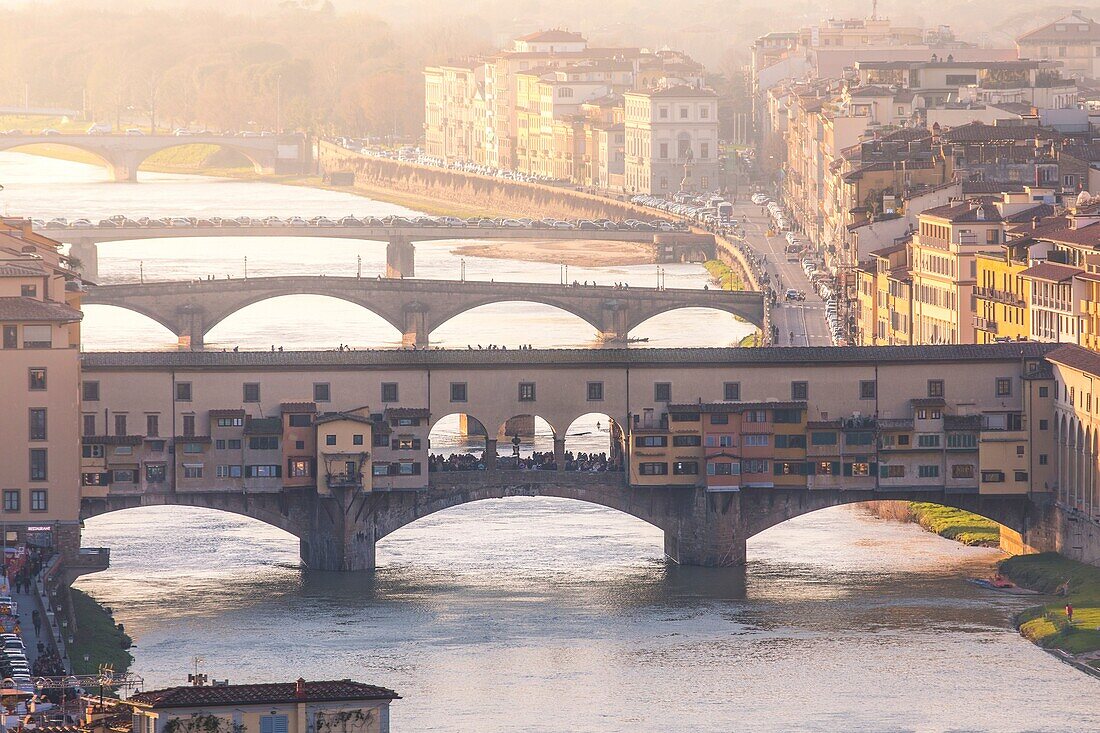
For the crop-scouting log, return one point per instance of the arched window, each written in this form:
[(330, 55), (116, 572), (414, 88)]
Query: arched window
[(565, 92)]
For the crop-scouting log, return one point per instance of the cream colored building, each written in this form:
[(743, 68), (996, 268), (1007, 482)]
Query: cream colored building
[(1074, 40), (671, 140)]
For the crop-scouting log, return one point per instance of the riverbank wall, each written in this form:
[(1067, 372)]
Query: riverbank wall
[(949, 523), (1060, 529)]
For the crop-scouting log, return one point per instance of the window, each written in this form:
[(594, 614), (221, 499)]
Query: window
[(458, 392), (157, 446), (37, 423), (731, 391), (993, 477), (867, 390), (962, 470), (928, 441), (230, 422), (526, 391), (859, 468), (234, 444), (299, 445), (124, 450), (686, 441), (380, 469), (664, 151), (120, 423), (188, 425), (823, 438), (300, 420), (662, 392), (192, 448), (330, 440), (788, 416), (723, 468), (89, 391), (273, 723), (192, 470), (183, 391), (683, 113), (321, 392), (789, 468), (389, 391), (892, 471), (39, 500), (650, 441), (28, 291), (1020, 475), (37, 337), (228, 471), (903, 440), (152, 426), (36, 378), (595, 391), (800, 390), (704, 113), (754, 465), (928, 471), (790, 441), (720, 418), (756, 441), (704, 150), (408, 468), (935, 388), (251, 392), (685, 468), (357, 439), (725, 441), (1044, 425), (962, 440), (263, 471), (11, 500), (1044, 391), (39, 465), (11, 337), (219, 444), (863, 437), (1043, 459), (123, 476), (683, 417), (754, 416), (1004, 387), (298, 468), (263, 442), (88, 427), (653, 469)]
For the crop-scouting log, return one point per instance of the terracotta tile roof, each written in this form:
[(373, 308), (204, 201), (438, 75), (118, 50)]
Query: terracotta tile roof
[(1076, 357), (299, 407), (18, 308), (328, 417), (112, 439), (227, 413), (200, 439), (21, 269), (1088, 236), (263, 426), (261, 694), (555, 35), (1027, 215), (964, 212), (979, 132), (722, 407), (1074, 28), (1050, 271), (408, 412)]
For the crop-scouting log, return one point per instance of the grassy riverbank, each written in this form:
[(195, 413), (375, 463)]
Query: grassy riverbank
[(724, 275), (957, 525), (97, 637), (1047, 625)]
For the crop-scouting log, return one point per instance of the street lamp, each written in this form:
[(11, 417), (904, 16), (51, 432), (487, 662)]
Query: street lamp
[(358, 266), (246, 267), (141, 271), (462, 269)]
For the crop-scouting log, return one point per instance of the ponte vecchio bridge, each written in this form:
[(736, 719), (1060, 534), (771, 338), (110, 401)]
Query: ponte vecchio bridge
[(190, 309)]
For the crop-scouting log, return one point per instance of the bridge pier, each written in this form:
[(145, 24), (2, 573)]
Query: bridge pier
[(709, 534), (559, 453), (490, 458), (415, 329), (192, 328), (614, 321), (400, 257), (337, 538)]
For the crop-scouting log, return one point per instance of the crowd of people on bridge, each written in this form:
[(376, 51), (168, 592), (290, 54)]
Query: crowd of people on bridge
[(537, 461)]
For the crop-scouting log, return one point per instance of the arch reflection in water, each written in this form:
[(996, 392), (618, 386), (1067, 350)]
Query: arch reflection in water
[(514, 323), (303, 322), (109, 328), (697, 326)]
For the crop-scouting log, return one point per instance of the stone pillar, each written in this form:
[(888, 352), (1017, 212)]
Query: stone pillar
[(490, 454), (400, 258), (559, 453), (415, 331), (613, 321), (334, 540), (192, 328), (88, 255), (709, 532)]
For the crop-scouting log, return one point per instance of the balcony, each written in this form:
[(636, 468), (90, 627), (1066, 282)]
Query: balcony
[(1000, 296), (344, 480), (984, 324)]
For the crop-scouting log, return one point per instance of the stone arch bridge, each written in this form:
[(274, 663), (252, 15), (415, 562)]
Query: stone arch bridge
[(122, 155), (415, 307), (700, 528), (400, 239)]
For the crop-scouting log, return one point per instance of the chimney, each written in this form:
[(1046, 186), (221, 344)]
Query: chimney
[(300, 687)]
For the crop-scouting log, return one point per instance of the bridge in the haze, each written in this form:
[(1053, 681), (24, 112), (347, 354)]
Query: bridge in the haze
[(190, 309)]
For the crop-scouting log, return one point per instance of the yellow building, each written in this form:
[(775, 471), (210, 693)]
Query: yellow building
[(1000, 311), (344, 442), (885, 297)]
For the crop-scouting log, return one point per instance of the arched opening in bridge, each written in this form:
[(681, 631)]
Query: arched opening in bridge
[(693, 327), (197, 157), (526, 442), (190, 549), (93, 167), (457, 443), (524, 541), (512, 324), (295, 322), (594, 442), (110, 328)]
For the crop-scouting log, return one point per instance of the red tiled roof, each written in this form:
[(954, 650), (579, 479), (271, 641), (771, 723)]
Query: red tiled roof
[(1050, 271), (979, 132), (21, 269), (261, 694), (1076, 357), (18, 308), (299, 407), (553, 36), (1071, 31), (964, 212)]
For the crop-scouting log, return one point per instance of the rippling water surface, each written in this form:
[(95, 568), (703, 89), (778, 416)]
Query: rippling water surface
[(538, 614)]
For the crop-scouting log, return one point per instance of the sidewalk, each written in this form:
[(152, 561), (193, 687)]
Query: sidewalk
[(26, 603)]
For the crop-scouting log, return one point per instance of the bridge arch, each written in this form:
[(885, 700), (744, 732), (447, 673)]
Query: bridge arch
[(639, 318), (441, 317), (113, 170), (219, 317), (276, 510), (150, 313), (258, 166), (457, 442)]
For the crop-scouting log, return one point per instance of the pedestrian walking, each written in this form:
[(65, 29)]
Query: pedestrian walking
[(36, 619), (1069, 612)]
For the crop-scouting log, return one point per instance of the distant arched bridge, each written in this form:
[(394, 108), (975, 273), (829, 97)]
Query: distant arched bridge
[(122, 155), (190, 309)]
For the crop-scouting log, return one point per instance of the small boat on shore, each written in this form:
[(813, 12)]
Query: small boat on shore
[(1004, 586)]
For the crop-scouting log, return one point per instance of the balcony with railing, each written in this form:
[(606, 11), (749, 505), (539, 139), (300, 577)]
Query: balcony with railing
[(1000, 296), (985, 324), (344, 480)]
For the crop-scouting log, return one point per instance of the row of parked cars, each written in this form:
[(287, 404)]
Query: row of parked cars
[(13, 655), (410, 154), (367, 221)]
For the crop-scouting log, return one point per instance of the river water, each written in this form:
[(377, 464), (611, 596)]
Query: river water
[(539, 614)]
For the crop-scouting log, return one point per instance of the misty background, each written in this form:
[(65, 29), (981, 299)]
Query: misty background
[(354, 66)]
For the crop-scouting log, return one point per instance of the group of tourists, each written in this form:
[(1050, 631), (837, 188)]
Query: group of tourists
[(537, 461)]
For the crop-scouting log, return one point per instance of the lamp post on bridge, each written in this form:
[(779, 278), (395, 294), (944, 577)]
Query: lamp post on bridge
[(358, 266), (141, 271), (246, 267), (462, 269)]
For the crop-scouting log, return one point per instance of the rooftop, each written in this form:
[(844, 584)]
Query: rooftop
[(554, 35), (19, 308), (1050, 271), (261, 694)]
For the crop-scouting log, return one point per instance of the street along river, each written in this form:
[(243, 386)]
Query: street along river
[(538, 614)]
